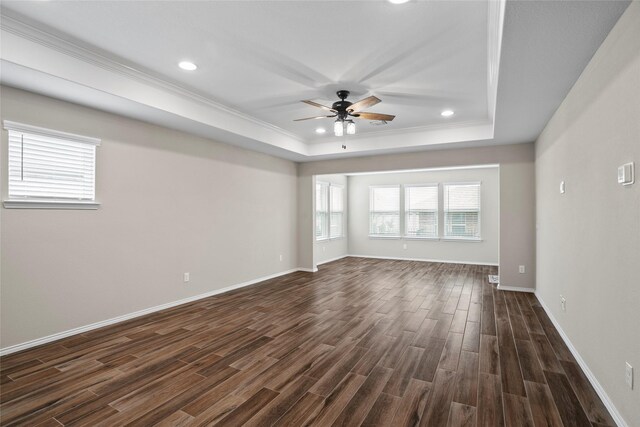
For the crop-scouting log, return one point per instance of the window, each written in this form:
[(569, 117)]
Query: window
[(336, 208), (421, 211), (462, 211), (50, 167), (384, 211), (329, 211), (322, 210)]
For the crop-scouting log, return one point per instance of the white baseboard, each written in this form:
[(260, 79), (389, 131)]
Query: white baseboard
[(326, 261), (86, 328), (424, 260), (308, 270), (515, 289), (615, 414)]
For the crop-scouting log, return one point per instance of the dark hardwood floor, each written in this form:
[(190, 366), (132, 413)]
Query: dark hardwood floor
[(361, 342)]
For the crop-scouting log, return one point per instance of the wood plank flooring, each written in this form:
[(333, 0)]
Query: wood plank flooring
[(361, 342)]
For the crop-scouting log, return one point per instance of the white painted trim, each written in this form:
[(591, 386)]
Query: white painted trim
[(615, 414), (118, 319), (103, 60), (326, 261), (49, 204), (425, 260), (23, 128), (308, 270), (515, 289), (444, 168)]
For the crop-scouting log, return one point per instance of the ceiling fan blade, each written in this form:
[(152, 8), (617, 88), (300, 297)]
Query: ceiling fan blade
[(313, 118), (315, 104), (363, 103), (374, 116)]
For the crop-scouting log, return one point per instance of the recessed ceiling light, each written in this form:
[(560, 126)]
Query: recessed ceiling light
[(398, 1), (320, 130), (447, 113), (186, 65)]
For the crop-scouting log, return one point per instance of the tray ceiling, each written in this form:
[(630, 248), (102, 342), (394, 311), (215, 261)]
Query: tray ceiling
[(257, 60)]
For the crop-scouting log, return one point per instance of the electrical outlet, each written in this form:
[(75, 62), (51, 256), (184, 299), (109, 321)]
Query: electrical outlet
[(563, 303), (280, 257), (521, 269), (324, 249), (404, 246), (628, 375), (562, 187), (186, 277)]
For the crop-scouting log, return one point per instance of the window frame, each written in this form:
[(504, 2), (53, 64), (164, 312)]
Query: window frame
[(326, 217), (477, 238), (406, 211), (399, 211), (50, 202), (331, 212)]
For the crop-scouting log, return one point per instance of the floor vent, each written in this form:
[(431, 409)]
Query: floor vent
[(494, 279)]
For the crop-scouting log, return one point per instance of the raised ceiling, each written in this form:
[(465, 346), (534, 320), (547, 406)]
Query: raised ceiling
[(257, 60)]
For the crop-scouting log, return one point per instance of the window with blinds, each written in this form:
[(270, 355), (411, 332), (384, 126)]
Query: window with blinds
[(384, 211), (336, 208), (47, 165), (462, 211), (421, 211), (322, 210)]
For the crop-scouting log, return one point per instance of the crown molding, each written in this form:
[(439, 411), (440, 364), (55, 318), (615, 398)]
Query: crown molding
[(495, 24), (408, 130), (109, 63), (257, 131)]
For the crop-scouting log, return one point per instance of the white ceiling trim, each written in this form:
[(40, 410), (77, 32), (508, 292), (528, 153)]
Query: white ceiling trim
[(376, 143), (53, 56), (445, 168), (494, 48), (44, 38)]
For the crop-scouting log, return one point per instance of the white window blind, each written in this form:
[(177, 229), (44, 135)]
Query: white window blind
[(336, 207), (322, 210), (462, 211), (384, 211), (46, 165), (421, 211)]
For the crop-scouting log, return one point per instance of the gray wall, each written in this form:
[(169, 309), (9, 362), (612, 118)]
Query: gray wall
[(171, 203), (589, 237), (517, 197), (483, 252), (326, 250)]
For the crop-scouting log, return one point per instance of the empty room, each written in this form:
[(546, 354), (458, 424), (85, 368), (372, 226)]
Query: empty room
[(317, 213)]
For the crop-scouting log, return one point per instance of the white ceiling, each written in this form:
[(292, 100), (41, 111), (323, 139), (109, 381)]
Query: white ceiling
[(257, 60)]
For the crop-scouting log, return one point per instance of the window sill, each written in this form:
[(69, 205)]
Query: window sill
[(49, 204), (461, 240), (385, 237), (421, 238), (330, 239)]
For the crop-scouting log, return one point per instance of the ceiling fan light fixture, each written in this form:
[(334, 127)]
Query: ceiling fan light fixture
[(338, 128), (320, 130), (187, 66), (398, 1), (447, 113), (351, 127)]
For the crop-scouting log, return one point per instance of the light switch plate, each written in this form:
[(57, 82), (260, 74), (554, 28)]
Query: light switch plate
[(626, 174)]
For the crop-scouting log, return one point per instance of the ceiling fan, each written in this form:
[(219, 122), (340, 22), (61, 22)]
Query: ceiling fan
[(345, 110)]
